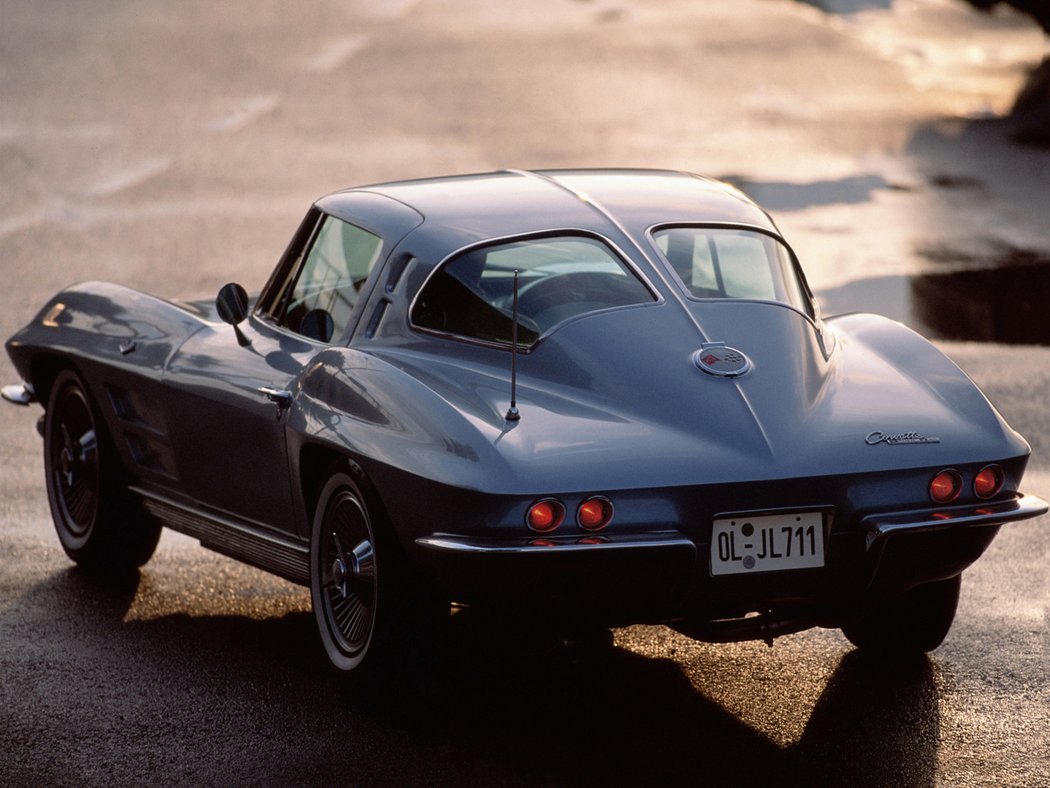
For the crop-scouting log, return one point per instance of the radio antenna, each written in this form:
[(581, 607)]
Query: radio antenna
[(512, 412)]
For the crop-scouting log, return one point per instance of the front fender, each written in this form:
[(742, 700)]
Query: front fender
[(102, 323)]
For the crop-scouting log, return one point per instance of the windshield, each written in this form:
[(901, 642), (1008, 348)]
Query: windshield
[(718, 262)]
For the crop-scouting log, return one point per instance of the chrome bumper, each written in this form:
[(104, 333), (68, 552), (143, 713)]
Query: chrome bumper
[(880, 526), (468, 545), (876, 529)]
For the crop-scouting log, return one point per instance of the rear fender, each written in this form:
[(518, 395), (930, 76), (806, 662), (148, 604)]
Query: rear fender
[(929, 370), (361, 406)]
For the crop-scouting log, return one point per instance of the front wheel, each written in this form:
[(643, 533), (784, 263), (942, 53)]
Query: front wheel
[(914, 622), (99, 523)]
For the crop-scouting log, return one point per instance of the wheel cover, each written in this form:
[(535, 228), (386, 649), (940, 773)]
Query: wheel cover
[(348, 573), (74, 461)]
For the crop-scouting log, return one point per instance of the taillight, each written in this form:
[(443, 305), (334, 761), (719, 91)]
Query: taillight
[(594, 513), (988, 481), (545, 515), (946, 486)]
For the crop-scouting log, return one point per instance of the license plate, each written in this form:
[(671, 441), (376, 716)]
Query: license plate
[(767, 543)]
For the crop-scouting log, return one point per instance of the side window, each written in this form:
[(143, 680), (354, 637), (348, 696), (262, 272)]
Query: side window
[(326, 290), (472, 295)]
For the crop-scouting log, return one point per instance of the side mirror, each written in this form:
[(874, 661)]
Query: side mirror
[(232, 305)]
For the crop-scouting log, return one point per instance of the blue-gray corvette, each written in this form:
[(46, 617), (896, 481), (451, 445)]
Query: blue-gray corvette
[(587, 397)]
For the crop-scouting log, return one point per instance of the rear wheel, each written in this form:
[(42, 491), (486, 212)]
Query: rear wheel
[(99, 523), (366, 606), (914, 622), (344, 577)]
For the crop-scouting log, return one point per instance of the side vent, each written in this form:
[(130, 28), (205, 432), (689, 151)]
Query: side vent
[(377, 316), (141, 425), (397, 268)]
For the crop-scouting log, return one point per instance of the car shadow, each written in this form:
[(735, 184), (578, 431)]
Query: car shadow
[(877, 723), (585, 712), (210, 697)]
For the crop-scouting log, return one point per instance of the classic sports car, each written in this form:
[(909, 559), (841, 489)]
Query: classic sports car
[(598, 397)]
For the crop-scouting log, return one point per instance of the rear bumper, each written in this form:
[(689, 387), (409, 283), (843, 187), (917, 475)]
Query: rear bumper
[(905, 549), (881, 527), (616, 580), (877, 528), (660, 576), (540, 546)]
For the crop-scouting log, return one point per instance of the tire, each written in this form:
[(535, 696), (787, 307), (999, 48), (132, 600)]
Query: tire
[(100, 524), (366, 606), (913, 623)]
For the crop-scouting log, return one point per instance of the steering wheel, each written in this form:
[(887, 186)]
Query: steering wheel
[(595, 288)]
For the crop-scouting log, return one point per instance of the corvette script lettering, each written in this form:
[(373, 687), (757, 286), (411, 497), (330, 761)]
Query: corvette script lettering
[(875, 438)]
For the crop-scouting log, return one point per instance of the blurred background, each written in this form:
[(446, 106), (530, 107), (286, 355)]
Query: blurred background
[(885, 136)]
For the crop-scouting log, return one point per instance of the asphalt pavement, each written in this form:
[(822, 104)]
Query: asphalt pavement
[(175, 147)]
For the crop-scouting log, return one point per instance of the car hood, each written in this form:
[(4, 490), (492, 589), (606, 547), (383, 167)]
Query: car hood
[(616, 400)]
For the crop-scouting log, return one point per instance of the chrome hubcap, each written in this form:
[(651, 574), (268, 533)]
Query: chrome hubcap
[(349, 583), (340, 577)]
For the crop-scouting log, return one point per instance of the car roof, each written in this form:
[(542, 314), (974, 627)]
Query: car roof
[(462, 209)]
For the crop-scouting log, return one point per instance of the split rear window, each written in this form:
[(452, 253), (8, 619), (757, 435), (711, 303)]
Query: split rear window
[(718, 262)]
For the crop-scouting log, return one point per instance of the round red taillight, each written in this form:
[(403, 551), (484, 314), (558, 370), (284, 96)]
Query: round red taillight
[(545, 515), (594, 513), (988, 481), (946, 486)]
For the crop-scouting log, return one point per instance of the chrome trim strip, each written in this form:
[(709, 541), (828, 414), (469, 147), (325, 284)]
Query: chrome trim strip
[(468, 545), (1023, 507), (282, 555)]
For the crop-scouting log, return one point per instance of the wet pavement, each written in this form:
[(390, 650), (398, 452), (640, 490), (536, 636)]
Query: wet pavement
[(954, 215), (174, 147)]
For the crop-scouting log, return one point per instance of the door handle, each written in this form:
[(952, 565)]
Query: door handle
[(280, 397)]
